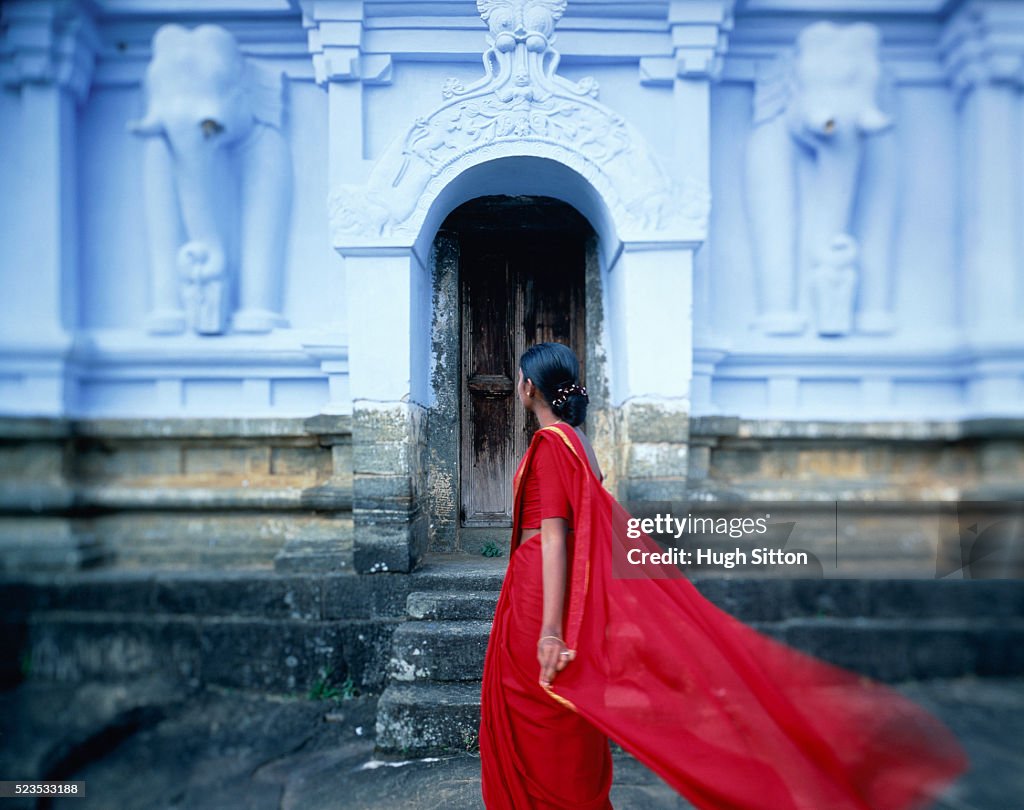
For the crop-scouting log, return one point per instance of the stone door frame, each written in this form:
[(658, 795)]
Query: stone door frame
[(443, 441)]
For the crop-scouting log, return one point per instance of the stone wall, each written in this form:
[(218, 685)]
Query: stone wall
[(870, 498), (210, 493)]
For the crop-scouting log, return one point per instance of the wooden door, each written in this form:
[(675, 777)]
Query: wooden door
[(518, 288)]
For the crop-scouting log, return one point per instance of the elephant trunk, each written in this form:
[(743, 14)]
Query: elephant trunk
[(204, 180), (838, 162)]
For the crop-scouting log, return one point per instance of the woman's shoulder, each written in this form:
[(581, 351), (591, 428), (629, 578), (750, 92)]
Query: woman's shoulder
[(553, 436)]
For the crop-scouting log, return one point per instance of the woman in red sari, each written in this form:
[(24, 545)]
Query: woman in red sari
[(583, 649)]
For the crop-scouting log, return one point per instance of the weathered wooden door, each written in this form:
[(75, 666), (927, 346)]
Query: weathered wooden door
[(519, 287)]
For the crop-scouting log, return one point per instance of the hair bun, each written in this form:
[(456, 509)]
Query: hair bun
[(566, 390)]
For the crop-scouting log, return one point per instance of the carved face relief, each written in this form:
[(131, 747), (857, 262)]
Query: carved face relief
[(836, 77), (514, 21)]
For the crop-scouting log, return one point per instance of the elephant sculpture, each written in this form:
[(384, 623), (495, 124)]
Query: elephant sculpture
[(217, 174), (822, 186)]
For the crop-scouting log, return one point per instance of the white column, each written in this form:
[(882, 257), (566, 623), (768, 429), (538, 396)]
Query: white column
[(699, 37), (983, 50), (386, 360), (984, 54), (651, 314), (51, 47), (334, 33)]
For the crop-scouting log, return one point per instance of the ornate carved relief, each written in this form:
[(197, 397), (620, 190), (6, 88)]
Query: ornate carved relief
[(52, 42), (520, 106), (820, 173), (218, 184)]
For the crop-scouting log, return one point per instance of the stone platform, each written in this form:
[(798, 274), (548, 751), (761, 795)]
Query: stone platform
[(146, 745)]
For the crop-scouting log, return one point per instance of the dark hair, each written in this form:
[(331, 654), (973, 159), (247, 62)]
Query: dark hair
[(554, 369)]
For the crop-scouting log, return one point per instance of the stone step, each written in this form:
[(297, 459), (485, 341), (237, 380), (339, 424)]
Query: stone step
[(263, 593), (285, 656), (421, 719), (468, 589), (426, 718), (889, 649), (450, 650), (439, 605), (223, 540), (459, 572), (779, 599)]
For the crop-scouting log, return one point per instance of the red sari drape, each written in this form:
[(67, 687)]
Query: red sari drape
[(729, 717)]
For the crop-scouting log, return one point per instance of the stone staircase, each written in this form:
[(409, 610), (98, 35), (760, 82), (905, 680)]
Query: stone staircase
[(432, 702), (892, 630), (258, 630)]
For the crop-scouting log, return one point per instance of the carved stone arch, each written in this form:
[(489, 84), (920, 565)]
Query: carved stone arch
[(520, 113), (520, 107)]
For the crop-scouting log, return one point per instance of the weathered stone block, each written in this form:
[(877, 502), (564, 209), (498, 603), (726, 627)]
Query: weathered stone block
[(262, 595), (656, 489), (97, 459), (80, 646), (897, 650), (329, 427), (286, 656), (657, 460), (439, 650), (341, 461), (383, 547), (39, 461), (662, 421), (47, 544), (383, 492), (307, 556), (448, 605), (714, 426), (390, 422), (100, 590), (698, 462), (221, 539), (369, 596), (423, 719), (225, 460), (383, 458), (328, 497), (300, 461), (730, 464)]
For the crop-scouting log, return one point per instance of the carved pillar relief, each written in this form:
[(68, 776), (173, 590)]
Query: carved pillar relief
[(217, 185), (983, 51), (47, 56), (822, 186)]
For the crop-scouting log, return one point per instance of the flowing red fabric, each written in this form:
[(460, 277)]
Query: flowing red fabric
[(729, 717)]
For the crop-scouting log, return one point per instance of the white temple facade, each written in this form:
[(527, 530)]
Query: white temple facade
[(763, 209), (228, 208)]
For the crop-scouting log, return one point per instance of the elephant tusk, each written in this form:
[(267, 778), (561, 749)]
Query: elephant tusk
[(873, 120), (145, 127)]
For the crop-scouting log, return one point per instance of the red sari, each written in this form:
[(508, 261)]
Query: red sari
[(729, 717)]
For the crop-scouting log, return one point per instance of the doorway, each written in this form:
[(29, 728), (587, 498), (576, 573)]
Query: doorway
[(517, 268)]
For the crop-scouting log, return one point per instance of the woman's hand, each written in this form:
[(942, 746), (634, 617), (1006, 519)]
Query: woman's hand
[(553, 656)]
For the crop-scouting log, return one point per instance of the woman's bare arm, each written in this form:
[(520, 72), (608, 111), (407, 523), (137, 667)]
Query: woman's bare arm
[(553, 532)]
